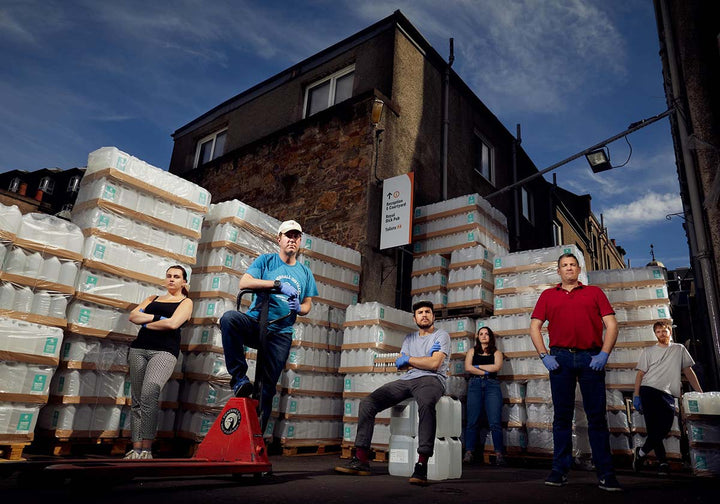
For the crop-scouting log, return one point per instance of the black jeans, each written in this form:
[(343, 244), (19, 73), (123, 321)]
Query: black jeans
[(659, 412), (427, 391)]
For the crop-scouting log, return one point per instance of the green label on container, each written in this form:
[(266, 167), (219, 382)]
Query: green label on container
[(356, 279), (348, 408), (471, 236), (296, 382), (126, 389), (659, 293), (217, 366), (567, 250), (347, 432), (499, 282), (291, 431), (348, 384), (470, 218), (308, 243), (293, 357), (210, 309), (212, 396), (61, 384), (205, 336), (99, 252), (657, 273), (293, 406), (381, 336), (382, 313), (233, 235), (50, 345), (121, 163), (202, 198), (24, 422), (471, 200), (461, 325), (693, 406), (205, 425), (195, 223), (216, 282), (109, 193), (55, 418), (103, 221), (229, 260), (38, 384), (461, 346), (91, 280), (241, 212), (698, 433), (498, 262), (190, 249), (84, 315)]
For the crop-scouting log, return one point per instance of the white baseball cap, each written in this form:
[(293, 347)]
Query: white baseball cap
[(289, 225)]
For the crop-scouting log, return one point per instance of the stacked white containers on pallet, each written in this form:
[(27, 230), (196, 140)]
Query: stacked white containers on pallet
[(701, 415), (39, 256), (311, 407), (462, 338), (370, 329), (234, 234), (138, 220), (430, 280), (639, 297), (519, 279)]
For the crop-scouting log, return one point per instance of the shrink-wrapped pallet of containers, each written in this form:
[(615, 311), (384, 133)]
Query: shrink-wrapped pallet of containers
[(429, 279)]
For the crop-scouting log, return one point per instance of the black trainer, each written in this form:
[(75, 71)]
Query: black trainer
[(243, 388), (664, 469), (419, 475), (556, 479), (355, 466), (609, 483), (638, 461)]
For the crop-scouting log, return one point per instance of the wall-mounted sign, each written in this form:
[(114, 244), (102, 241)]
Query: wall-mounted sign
[(397, 211)]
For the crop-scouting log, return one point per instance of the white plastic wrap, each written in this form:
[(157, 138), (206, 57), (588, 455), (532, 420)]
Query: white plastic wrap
[(51, 231), (225, 257), (306, 405), (196, 335), (330, 249), (701, 403), (111, 157), (430, 261), (207, 364), (705, 460), (238, 209), (381, 433), (94, 316), (373, 335), (626, 276), (18, 336), (206, 394), (539, 440), (115, 287), (21, 378), (18, 418), (10, 218), (515, 413), (374, 310), (313, 429), (475, 293), (539, 256), (703, 431)]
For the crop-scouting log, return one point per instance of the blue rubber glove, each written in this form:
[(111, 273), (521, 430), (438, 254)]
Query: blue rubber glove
[(288, 290), (483, 371), (597, 363), (402, 361), (550, 362), (435, 348), (637, 404), (294, 304)]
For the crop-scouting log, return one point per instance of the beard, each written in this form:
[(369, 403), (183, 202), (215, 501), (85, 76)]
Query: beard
[(425, 324)]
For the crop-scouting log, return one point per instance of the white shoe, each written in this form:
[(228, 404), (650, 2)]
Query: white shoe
[(132, 455), (145, 455)]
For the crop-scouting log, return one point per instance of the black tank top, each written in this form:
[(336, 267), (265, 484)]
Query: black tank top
[(166, 340), (484, 360)]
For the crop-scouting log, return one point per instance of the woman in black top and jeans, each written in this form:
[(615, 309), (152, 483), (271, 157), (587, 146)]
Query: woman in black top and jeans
[(153, 356), (483, 361)]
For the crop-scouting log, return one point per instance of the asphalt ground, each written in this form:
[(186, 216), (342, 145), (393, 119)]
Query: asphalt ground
[(312, 479)]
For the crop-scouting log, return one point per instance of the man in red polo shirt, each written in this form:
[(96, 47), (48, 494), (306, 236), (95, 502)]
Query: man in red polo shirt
[(578, 353)]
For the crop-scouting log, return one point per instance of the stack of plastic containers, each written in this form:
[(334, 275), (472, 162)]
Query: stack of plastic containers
[(462, 339), (470, 282), (446, 462), (429, 279), (701, 412), (138, 220), (457, 223), (336, 270), (370, 329), (40, 256)]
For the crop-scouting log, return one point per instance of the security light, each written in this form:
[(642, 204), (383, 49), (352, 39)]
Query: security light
[(598, 160)]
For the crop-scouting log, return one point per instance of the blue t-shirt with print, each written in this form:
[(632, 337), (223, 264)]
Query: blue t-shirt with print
[(271, 267)]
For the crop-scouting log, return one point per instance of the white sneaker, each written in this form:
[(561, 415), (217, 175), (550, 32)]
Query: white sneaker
[(145, 455), (132, 455)]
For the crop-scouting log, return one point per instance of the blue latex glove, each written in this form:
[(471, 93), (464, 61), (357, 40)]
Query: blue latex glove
[(288, 289), (435, 348), (597, 363), (550, 362), (294, 304), (483, 371), (637, 404), (402, 361)]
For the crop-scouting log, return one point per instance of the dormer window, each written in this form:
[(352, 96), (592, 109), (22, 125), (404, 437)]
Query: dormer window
[(328, 91)]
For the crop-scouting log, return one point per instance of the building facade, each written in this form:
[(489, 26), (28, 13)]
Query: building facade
[(48, 190), (309, 144)]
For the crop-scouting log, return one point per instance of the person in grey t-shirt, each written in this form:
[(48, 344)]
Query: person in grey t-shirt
[(657, 383), (425, 354)]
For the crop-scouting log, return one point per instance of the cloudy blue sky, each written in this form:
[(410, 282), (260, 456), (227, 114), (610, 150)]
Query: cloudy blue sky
[(81, 74)]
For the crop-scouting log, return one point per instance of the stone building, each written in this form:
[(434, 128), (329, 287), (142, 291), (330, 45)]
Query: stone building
[(309, 144)]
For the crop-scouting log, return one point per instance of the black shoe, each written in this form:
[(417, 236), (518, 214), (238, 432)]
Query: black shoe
[(664, 469), (610, 484), (638, 461), (243, 388), (355, 466), (556, 479), (419, 475)]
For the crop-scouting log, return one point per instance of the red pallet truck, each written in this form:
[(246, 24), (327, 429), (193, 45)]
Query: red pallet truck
[(233, 445)]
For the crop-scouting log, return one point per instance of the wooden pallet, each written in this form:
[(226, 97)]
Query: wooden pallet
[(12, 451), (81, 446), (302, 448)]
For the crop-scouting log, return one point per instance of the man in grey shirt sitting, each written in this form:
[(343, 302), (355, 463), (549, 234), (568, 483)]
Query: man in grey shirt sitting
[(426, 355)]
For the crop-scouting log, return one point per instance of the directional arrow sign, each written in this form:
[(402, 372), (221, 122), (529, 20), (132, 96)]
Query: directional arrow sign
[(397, 211)]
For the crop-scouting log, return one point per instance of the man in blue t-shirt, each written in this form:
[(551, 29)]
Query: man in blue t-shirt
[(425, 354), (297, 288)]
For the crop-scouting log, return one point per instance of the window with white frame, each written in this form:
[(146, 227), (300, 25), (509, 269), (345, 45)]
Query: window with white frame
[(210, 147), (527, 204), (557, 234), (15, 184), (484, 158), (73, 183), (328, 91), (47, 185)]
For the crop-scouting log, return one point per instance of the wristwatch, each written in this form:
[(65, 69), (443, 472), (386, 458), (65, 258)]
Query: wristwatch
[(543, 355), (276, 284)]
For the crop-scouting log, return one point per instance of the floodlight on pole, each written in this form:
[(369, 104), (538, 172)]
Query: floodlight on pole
[(599, 160)]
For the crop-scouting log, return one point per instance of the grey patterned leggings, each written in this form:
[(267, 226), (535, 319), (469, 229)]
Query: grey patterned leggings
[(149, 371)]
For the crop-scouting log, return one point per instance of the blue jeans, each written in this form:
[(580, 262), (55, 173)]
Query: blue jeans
[(575, 368), (484, 396), (239, 331)]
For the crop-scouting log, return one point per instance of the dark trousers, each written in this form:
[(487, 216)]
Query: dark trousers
[(239, 331), (575, 368), (658, 411), (427, 391)]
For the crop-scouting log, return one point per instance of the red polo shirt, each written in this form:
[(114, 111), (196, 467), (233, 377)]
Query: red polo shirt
[(575, 317)]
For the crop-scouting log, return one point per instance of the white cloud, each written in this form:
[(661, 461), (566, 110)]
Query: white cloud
[(645, 212)]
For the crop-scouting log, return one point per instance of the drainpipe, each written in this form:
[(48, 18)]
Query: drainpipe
[(446, 121), (697, 220), (516, 197)]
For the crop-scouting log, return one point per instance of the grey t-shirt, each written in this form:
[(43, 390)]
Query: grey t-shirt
[(662, 367), (415, 345)]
